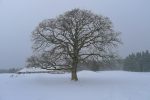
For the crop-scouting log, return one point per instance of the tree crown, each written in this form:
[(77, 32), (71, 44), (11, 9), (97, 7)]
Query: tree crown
[(76, 35)]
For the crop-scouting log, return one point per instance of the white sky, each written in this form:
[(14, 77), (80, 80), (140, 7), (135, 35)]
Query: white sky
[(18, 18)]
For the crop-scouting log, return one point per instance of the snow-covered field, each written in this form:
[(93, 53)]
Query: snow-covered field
[(105, 85)]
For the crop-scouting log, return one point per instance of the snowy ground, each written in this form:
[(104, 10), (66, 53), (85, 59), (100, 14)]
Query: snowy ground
[(106, 85)]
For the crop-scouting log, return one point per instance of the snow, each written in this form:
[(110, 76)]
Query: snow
[(40, 70), (32, 69), (103, 85)]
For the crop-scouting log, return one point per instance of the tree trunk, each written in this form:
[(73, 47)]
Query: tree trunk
[(74, 72)]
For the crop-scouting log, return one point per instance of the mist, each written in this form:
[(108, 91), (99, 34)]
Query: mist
[(18, 18)]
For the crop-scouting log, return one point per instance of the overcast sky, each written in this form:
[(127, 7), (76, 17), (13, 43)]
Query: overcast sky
[(18, 18)]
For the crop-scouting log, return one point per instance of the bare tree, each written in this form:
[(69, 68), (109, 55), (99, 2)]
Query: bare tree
[(76, 36)]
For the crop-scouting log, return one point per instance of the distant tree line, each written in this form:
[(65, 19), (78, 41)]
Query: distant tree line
[(11, 70), (139, 61)]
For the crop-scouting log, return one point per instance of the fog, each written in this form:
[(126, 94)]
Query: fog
[(18, 18)]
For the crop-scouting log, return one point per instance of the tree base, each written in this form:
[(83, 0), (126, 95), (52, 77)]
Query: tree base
[(74, 79), (74, 76)]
